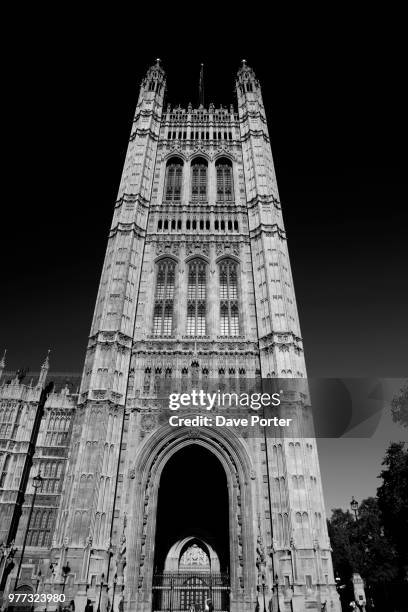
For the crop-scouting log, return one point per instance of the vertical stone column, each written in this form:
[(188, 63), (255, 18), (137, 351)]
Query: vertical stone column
[(90, 492), (280, 344), (181, 302), (212, 293), (212, 183)]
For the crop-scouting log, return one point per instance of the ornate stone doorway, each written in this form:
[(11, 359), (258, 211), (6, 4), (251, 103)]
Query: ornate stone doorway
[(192, 543), (191, 485)]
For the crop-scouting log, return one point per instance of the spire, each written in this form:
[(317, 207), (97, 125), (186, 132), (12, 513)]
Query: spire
[(155, 72), (154, 82), (46, 363), (201, 86), (3, 362), (245, 73), (246, 83), (44, 370)]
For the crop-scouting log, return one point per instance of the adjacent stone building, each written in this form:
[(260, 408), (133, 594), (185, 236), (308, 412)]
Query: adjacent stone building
[(196, 287), (42, 441)]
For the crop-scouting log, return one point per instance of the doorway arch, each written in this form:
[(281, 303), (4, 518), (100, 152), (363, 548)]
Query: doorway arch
[(176, 557), (150, 461), (192, 501)]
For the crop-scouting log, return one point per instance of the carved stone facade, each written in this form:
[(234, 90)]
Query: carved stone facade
[(196, 284), (46, 448)]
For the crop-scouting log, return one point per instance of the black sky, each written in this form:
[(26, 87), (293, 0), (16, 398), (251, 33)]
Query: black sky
[(336, 105)]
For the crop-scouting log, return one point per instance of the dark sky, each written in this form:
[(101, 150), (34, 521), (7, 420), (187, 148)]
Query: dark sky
[(335, 100)]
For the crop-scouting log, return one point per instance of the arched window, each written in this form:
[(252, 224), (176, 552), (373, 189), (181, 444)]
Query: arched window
[(4, 471), (229, 318), (224, 180), (164, 298), (199, 179), (196, 298), (174, 179)]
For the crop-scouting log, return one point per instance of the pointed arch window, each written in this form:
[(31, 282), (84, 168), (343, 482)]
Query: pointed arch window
[(164, 298), (199, 169), (4, 471), (229, 315), (196, 298), (174, 179), (224, 180)]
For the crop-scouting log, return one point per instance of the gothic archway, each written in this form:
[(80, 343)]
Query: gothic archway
[(192, 500), (191, 579), (150, 462)]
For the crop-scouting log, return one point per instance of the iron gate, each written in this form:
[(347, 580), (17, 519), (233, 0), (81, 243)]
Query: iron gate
[(188, 592)]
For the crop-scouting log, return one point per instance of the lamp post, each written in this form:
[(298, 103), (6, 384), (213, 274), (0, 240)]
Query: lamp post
[(340, 586), (52, 570), (65, 572), (100, 593), (354, 507), (37, 483), (356, 577)]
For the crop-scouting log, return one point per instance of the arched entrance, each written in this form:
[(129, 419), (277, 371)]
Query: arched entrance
[(236, 549), (192, 534)]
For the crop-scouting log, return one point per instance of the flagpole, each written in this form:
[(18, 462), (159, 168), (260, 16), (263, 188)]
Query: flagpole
[(201, 86)]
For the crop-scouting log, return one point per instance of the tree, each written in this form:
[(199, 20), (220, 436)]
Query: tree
[(393, 501), (361, 545), (376, 556), (399, 406)]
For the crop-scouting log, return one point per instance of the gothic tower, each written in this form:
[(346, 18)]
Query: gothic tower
[(196, 285)]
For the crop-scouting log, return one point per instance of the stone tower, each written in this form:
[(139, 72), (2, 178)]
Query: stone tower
[(196, 285)]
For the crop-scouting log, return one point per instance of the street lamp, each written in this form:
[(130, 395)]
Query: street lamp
[(65, 571), (37, 484), (52, 570), (100, 593), (354, 506)]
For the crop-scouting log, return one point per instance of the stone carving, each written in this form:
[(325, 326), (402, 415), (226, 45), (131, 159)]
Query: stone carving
[(148, 422), (120, 564), (194, 556), (167, 247), (194, 247), (227, 248)]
